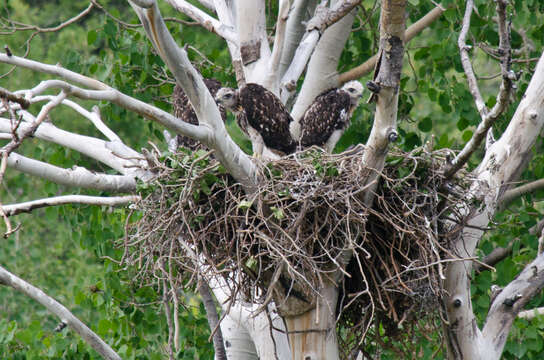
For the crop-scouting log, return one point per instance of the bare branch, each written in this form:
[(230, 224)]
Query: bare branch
[(298, 15), (505, 90), (513, 194), (29, 206), (212, 128), (9, 96), (510, 302), (465, 60), (531, 314), (31, 129), (55, 70), (114, 154), (322, 19), (387, 76), (77, 176), (495, 256), (20, 26), (59, 310), (271, 81), (196, 132), (208, 22), (411, 32), (213, 320), (503, 163)]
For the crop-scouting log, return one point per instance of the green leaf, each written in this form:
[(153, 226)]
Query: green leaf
[(244, 204), (91, 37), (278, 213), (425, 125)]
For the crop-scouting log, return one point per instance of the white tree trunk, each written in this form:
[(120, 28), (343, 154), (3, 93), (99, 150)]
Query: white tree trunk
[(503, 163)]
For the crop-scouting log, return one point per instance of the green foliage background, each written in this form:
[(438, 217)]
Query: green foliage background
[(67, 251)]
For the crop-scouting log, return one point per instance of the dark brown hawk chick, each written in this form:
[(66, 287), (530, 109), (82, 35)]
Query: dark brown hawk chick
[(329, 115), (262, 117), (184, 111)]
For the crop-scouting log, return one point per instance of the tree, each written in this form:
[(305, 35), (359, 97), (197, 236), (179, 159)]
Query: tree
[(313, 249)]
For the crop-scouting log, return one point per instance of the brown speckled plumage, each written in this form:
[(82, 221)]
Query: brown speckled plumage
[(260, 110), (184, 110), (330, 113)]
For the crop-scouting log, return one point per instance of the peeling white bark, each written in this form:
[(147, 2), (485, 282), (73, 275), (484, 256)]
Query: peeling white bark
[(253, 40)]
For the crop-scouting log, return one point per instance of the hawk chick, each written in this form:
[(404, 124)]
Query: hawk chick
[(329, 115), (262, 117), (184, 110)]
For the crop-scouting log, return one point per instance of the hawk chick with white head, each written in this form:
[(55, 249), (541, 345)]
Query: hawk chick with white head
[(262, 117), (329, 115)]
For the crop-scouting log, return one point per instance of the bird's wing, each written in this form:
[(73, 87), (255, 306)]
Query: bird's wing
[(266, 114), (326, 114)]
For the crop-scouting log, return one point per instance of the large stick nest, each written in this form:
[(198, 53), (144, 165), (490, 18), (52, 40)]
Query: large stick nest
[(306, 227)]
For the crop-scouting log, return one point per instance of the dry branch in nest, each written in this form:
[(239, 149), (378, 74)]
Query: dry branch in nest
[(306, 226)]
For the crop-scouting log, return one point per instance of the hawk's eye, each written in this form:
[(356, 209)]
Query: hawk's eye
[(351, 90), (228, 96)]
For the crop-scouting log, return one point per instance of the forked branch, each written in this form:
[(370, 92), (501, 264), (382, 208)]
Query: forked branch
[(503, 98), (211, 127), (208, 22), (323, 18)]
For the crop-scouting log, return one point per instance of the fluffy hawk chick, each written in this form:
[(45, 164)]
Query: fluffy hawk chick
[(329, 115), (262, 117), (184, 110)]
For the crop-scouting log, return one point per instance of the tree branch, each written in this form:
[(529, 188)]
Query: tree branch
[(77, 176), (114, 154), (9, 96), (29, 206), (387, 76), (208, 22), (59, 310), (531, 314), (505, 90), (465, 60), (322, 19), (55, 70), (503, 163), (513, 194), (213, 320), (31, 128), (215, 136), (272, 77), (509, 303), (411, 32), (321, 70), (495, 256), (253, 40), (298, 15)]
